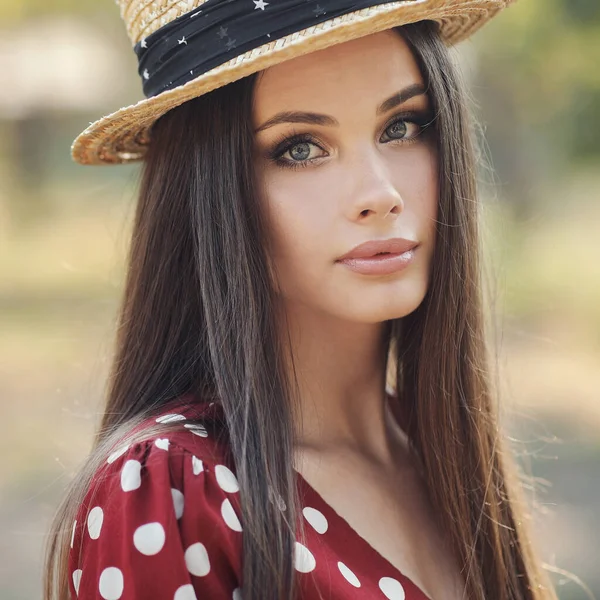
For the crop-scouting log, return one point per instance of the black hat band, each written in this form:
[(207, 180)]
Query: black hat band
[(220, 30)]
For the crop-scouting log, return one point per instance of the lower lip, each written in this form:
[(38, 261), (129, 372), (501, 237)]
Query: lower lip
[(384, 264)]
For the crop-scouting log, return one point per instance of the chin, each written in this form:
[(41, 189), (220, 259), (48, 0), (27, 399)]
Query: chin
[(388, 315), (386, 303), (390, 308)]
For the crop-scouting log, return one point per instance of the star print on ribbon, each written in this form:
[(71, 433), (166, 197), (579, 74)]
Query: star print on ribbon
[(220, 30)]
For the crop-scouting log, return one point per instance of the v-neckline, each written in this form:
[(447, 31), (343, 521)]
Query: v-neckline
[(310, 491)]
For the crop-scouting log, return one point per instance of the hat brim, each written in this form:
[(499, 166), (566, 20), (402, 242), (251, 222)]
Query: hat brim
[(123, 136)]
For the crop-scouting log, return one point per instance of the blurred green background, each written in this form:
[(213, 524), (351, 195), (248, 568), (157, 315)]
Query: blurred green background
[(534, 76)]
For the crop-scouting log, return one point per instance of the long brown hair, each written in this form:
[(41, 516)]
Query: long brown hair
[(197, 319)]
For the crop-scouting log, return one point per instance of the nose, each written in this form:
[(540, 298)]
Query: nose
[(375, 196)]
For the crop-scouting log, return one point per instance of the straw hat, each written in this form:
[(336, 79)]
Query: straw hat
[(186, 48)]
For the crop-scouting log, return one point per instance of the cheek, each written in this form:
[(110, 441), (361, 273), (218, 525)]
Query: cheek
[(300, 212), (418, 184)]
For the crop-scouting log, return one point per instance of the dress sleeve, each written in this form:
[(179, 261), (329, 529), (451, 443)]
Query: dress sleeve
[(158, 522)]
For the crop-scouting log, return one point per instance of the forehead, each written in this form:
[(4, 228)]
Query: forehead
[(364, 70)]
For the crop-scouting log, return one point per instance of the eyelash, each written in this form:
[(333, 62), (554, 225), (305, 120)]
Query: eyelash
[(286, 143)]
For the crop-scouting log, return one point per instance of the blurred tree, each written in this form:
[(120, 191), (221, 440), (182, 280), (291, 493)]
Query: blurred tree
[(12, 11), (538, 85), (38, 99), (583, 11)]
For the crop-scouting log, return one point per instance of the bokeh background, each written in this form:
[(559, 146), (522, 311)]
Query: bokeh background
[(534, 75)]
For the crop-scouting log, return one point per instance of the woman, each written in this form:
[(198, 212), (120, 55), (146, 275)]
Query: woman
[(302, 335)]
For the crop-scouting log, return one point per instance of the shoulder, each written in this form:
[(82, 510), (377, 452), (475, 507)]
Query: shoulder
[(180, 427), (182, 440), (161, 513)]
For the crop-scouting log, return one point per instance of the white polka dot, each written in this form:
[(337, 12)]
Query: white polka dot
[(77, 580), (131, 478), (197, 429), (178, 502), (94, 522), (197, 465), (392, 588), (237, 594), (229, 516), (162, 443), (349, 576), (316, 518), (111, 583), (172, 418), (226, 479), (304, 561), (149, 539), (185, 592), (196, 560), (111, 459), (73, 533)]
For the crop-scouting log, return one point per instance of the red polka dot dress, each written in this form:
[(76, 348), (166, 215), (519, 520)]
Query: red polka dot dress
[(162, 520)]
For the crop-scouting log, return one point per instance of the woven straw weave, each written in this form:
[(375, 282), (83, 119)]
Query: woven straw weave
[(123, 136)]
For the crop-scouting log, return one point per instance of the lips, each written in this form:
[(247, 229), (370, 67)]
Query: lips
[(375, 248)]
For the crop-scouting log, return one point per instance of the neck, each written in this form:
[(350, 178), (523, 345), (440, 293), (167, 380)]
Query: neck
[(340, 400)]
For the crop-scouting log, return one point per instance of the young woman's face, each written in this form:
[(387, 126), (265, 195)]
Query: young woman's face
[(359, 174)]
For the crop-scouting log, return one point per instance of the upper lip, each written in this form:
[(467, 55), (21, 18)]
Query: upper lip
[(373, 247)]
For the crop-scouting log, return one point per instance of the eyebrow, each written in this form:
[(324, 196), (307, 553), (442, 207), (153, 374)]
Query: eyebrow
[(416, 89)]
